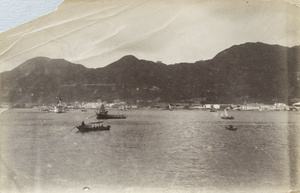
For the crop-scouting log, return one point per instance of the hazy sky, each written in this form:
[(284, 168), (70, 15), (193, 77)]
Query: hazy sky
[(17, 12), (96, 33)]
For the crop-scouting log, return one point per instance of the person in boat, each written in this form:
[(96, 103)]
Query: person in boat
[(82, 123)]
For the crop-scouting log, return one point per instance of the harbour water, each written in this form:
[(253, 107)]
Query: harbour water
[(150, 151)]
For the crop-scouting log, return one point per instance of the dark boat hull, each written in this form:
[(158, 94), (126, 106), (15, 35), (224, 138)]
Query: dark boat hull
[(101, 116), (89, 128), (228, 117), (231, 128)]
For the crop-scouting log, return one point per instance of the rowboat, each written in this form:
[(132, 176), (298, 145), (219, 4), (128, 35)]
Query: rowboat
[(94, 126), (231, 128)]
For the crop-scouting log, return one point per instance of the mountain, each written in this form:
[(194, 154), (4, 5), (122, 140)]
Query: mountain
[(37, 79), (250, 72)]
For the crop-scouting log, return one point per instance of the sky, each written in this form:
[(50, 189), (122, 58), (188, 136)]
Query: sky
[(96, 33), (17, 12)]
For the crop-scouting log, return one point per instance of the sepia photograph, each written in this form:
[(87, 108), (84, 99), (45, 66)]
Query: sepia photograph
[(150, 96)]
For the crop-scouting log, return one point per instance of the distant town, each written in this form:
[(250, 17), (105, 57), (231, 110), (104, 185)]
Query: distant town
[(121, 105)]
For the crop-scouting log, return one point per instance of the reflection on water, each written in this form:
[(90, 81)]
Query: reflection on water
[(150, 151)]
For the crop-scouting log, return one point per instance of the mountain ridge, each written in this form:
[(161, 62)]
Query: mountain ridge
[(250, 72)]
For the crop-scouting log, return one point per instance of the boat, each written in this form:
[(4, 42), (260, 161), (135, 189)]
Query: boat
[(94, 126), (123, 108), (226, 116), (106, 116), (213, 110), (59, 108), (102, 113), (231, 128)]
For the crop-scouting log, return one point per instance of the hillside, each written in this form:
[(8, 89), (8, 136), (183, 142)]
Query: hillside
[(251, 72)]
